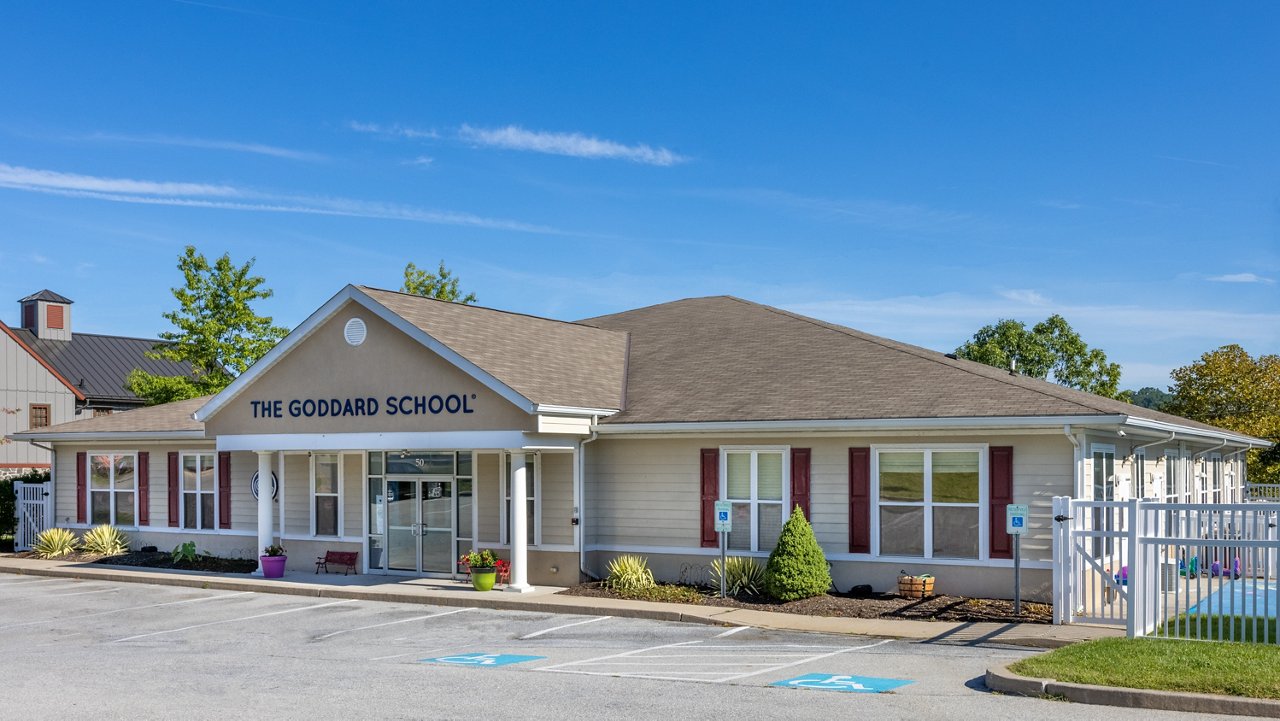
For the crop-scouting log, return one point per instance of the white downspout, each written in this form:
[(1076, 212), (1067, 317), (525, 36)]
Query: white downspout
[(1206, 451), (582, 498), (1144, 446), (1078, 484)]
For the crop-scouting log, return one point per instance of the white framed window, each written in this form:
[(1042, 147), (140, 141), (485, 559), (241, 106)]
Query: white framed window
[(930, 502), (199, 490), (113, 488), (1173, 477), (1215, 475), (326, 494), (754, 480), (533, 494), (1143, 486), (1104, 471)]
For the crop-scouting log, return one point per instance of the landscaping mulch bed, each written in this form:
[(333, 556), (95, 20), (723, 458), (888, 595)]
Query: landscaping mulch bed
[(160, 560), (936, 608)]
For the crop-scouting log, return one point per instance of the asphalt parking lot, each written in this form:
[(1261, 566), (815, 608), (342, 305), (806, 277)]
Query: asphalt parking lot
[(75, 649)]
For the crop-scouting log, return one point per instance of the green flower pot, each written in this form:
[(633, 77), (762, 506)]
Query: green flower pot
[(482, 578)]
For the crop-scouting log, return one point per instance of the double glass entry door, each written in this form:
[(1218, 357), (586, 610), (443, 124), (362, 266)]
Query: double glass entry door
[(420, 532)]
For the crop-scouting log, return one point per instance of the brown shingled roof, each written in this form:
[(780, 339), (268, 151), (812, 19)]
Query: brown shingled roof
[(163, 418), (549, 362), (726, 359)]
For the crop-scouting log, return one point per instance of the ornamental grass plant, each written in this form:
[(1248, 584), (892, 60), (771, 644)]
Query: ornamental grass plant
[(105, 540)]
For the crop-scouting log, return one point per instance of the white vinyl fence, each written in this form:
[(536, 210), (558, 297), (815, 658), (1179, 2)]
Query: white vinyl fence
[(1176, 570), (33, 511)]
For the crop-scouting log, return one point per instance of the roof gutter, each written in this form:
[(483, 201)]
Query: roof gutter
[(1207, 450), (1185, 431), (870, 424), (1172, 435), (89, 436)]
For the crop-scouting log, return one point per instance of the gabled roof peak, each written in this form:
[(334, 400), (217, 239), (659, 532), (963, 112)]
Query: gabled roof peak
[(46, 295)]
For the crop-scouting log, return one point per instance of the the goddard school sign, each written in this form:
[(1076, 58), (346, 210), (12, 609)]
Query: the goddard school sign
[(407, 405)]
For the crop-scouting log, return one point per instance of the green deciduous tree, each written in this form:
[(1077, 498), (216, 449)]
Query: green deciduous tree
[(1149, 397), (217, 330), (1050, 348), (797, 566), (1231, 389), (441, 285)]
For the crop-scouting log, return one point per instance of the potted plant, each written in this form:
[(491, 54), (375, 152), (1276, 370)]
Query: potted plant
[(273, 560), (483, 567)]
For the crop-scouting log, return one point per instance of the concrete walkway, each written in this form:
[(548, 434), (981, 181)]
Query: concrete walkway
[(547, 599)]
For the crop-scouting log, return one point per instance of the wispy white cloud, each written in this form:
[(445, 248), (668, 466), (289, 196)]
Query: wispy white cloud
[(393, 130), (1028, 297), (37, 258), (33, 179), (1240, 278), (1195, 161), (225, 197), (1060, 204), (420, 160), (575, 145), (209, 144)]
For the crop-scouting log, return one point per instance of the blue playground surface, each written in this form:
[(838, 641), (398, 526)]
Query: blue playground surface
[(1241, 597)]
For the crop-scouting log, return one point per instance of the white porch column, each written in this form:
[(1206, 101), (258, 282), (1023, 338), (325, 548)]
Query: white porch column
[(265, 531), (519, 526)]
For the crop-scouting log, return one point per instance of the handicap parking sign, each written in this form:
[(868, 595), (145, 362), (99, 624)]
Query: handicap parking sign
[(848, 684), (483, 660)]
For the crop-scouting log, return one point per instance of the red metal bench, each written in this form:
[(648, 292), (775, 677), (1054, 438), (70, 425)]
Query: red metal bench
[(338, 558)]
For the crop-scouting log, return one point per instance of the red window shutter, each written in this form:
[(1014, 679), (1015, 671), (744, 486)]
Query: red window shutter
[(859, 500), (53, 316), (82, 499), (144, 488), (224, 489), (175, 488), (710, 479), (1000, 494), (800, 480)]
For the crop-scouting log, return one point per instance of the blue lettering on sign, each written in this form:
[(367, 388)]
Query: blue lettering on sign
[(482, 660), (406, 405), (848, 684)]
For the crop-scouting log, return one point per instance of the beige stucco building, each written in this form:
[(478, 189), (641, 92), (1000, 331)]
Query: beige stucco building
[(411, 430)]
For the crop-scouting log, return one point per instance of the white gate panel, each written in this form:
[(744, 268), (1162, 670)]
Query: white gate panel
[(34, 511)]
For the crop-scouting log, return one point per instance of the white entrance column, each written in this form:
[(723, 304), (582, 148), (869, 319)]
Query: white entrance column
[(265, 532), (519, 582)]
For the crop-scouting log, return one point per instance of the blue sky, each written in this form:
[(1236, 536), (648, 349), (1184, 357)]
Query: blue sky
[(914, 170)]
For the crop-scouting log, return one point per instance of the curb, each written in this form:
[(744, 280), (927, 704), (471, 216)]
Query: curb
[(1005, 681), (179, 578)]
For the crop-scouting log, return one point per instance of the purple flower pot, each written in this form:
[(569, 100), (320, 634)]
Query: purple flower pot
[(272, 566)]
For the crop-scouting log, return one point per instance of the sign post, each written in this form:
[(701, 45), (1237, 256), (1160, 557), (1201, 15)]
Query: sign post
[(724, 524), (1015, 515)]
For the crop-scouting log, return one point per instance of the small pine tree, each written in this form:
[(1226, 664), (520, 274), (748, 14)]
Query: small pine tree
[(797, 567)]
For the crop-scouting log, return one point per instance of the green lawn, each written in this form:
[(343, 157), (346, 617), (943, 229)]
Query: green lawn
[(1235, 669), (1229, 628)]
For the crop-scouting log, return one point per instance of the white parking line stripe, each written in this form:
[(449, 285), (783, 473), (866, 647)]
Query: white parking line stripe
[(636, 675), (62, 595), (730, 655), (678, 663), (412, 653), (122, 610), (392, 623), (732, 631), (535, 634), (16, 584), (234, 620), (614, 655), (803, 660)]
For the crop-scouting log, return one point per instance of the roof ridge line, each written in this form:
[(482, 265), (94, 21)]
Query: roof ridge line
[(485, 307), (914, 351)]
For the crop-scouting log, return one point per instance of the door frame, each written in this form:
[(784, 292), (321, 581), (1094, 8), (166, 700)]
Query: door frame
[(419, 480)]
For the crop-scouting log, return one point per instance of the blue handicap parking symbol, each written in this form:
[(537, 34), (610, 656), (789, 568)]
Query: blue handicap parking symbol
[(724, 515), (1017, 521), (484, 660), (849, 684)]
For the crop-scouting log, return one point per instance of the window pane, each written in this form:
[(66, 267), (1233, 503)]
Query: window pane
[(189, 510), (206, 510), (206, 473), (100, 472), (190, 472), (902, 476), (464, 508), (377, 512), (124, 472), (124, 509), (768, 479), (326, 473), (327, 515), (738, 475), (529, 479), (740, 536), (375, 463), (464, 463), (955, 477), (100, 507), (528, 519), (901, 531), (955, 532), (414, 463), (770, 524)]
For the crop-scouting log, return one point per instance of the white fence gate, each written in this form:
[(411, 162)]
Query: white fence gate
[(1176, 570), (34, 511)]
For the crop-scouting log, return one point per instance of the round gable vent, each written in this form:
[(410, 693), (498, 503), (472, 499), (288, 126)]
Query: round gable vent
[(354, 331)]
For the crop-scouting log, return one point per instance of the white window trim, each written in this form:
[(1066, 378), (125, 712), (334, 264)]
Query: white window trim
[(182, 491), (1105, 449), (341, 483), (754, 500), (88, 487), (504, 466), (984, 498)]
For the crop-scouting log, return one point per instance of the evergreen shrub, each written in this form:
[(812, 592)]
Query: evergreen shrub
[(797, 567)]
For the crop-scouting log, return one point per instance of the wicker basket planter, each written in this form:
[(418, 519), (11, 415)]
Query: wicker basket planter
[(915, 586)]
